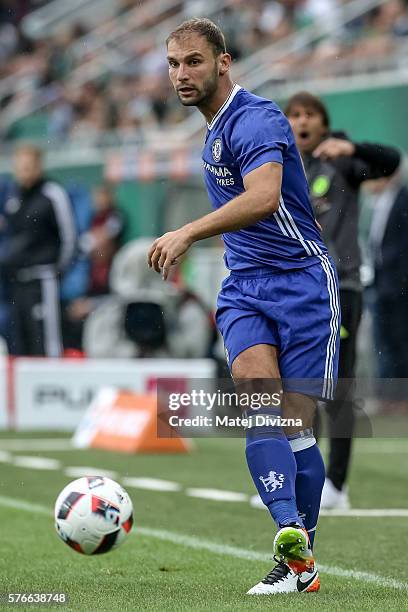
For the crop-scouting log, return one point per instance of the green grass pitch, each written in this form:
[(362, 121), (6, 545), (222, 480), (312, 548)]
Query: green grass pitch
[(171, 560)]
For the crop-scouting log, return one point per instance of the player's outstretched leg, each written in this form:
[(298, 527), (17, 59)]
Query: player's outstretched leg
[(295, 570), (273, 468)]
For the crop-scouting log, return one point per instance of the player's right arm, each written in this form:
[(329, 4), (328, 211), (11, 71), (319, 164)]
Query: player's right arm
[(259, 200), (257, 138)]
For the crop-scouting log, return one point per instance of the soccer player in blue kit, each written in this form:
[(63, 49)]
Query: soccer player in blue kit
[(278, 310)]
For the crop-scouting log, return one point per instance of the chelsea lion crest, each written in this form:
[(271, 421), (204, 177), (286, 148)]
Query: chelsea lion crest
[(216, 149)]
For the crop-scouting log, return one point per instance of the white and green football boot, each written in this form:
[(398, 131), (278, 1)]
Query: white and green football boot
[(295, 571)]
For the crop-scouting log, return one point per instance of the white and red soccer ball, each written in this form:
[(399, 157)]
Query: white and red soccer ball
[(93, 515)]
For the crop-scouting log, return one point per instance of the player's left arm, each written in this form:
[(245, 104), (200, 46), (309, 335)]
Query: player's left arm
[(259, 200)]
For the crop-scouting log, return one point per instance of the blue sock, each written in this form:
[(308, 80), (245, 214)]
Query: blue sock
[(309, 480), (273, 469)]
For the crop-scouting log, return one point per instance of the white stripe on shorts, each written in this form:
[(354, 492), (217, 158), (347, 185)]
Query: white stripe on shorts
[(328, 384)]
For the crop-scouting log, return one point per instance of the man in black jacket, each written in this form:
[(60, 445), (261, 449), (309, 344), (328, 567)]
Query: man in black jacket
[(39, 245), (336, 167)]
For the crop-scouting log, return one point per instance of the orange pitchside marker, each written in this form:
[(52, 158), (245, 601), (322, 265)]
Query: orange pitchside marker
[(126, 422)]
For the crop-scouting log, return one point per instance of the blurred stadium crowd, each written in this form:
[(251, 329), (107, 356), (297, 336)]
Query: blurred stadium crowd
[(110, 77)]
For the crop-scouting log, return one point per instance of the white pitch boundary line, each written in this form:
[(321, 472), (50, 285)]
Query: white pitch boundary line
[(242, 553), (366, 512), (386, 441), (36, 463), (256, 502), (221, 549), (163, 486), (217, 495), (152, 484), (383, 451), (5, 457)]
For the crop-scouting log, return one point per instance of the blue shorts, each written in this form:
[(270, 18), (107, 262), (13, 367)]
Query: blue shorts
[(298, 311)]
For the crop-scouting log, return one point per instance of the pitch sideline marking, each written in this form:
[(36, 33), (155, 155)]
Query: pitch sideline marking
[(242, 553), (367, 512), (36, 463), (5, 457), (216, 494), (155, 484), (256, 502), (221, 549), (151, 484)]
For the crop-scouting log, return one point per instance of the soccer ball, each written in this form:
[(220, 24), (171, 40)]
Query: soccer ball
[(93, 515)]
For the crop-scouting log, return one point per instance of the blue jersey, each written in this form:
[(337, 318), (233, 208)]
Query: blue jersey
[(247, 132)]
